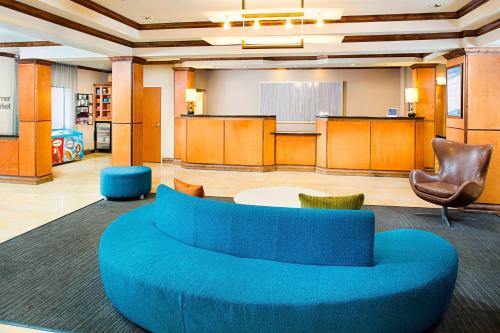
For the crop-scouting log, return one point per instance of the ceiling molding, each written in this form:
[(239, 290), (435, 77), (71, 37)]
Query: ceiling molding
[(295, 68), (108, 12), (41, 14), (28, 44), (94, 69), (425, 65), (46, 16), (131, 59), (35, 61), (454, 54), (470, 6), (461, 52), (7, 55)]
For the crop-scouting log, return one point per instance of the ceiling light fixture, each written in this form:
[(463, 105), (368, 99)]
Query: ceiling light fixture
[(319, 22), (256, 24), (288, 24), (227, 24)]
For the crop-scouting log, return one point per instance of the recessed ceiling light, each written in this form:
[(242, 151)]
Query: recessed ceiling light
[(147, 18), (437, 5)]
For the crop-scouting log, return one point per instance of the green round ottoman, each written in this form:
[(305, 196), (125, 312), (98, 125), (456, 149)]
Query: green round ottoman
[(124, 182)]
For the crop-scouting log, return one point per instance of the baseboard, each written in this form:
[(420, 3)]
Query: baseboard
[(26, 180), (371, 173), (168, 160), (88, 151), (305, 168), (224, 167), (493, 208)]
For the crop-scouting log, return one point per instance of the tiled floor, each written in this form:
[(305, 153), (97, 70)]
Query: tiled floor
[(75, 185)]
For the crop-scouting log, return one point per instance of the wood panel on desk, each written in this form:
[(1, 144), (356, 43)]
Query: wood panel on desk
[(243, 141), (198, 148), (9, 156), (491, 194), (122, 92), (348, 145), (419, 145), (483, 91), (269, 141), (393, 145), (122, 144), (295, 149), (321, 142), (43, 148), (426, 84)]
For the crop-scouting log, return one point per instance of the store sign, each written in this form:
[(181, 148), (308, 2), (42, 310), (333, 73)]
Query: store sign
[(8, 86)]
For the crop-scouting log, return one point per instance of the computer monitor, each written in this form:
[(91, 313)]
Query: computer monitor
[(392, 112)]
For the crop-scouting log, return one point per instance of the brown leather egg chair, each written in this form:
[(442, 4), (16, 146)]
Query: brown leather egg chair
[(460, 179)]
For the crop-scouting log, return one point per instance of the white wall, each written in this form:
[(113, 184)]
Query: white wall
[(163, 76), (369, 92), (85, 85)]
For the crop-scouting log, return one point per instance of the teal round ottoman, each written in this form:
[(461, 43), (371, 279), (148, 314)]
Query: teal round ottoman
[(123, 182)]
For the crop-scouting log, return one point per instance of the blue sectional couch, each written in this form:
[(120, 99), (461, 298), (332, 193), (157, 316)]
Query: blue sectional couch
[(185, 264)]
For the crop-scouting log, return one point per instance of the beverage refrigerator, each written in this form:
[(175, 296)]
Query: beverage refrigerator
[(103, 136)]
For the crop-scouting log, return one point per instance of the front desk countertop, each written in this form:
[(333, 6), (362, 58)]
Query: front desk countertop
[(225, 116), (367, 118)]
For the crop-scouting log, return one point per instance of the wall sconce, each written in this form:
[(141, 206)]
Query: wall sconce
[(411, 96), (191, 100), (441, 81)]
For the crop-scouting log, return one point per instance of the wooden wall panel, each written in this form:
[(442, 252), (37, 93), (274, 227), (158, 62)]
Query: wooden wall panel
[(321, 142), (27, 154), (392, 145), (137, 144), (201, 150), (455, 134), (349, 145), (269, 141), (426, 84), (491, 194), (243, 141), (483, 93), (26, 88), (122, 144), (440, 114), (43, 92), (296, 150), (180, 138), (137, 92), (429, 134), (44, 148), (122, 92), (9, 156), (183, 79)]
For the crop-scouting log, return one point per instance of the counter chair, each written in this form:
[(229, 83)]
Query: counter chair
[(460, 179)]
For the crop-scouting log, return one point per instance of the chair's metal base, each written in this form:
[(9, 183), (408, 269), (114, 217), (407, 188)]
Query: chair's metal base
[(444, 216)]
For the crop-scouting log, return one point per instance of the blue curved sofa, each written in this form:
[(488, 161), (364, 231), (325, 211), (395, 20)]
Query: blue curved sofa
[(185, 264)]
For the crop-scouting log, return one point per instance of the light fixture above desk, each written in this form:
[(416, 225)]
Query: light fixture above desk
[(252, 21)]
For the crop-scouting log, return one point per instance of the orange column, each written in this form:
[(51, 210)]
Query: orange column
[(183, 79), (127, 110), (424, 78), (35, 143)]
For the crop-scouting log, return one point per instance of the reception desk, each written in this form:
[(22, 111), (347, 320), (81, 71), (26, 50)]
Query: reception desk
[(228, 142), (366, 145), (340, 145)]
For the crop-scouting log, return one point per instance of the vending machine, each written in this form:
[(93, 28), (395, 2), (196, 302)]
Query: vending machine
[(103, 136)]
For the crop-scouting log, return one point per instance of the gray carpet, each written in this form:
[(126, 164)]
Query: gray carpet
[(49, 276)]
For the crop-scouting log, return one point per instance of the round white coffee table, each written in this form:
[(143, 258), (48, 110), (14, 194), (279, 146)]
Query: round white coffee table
[(275, 196)]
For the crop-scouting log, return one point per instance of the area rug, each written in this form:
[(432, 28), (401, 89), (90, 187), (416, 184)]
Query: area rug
[(49, 276)]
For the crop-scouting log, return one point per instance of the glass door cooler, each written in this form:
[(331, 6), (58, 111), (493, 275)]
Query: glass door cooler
[(103, 136)]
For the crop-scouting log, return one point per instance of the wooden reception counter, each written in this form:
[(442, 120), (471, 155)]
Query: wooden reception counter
[(227, 142), (341, 145), (370, 145)]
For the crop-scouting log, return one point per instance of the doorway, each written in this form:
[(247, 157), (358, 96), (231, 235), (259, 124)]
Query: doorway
[(152, 125)]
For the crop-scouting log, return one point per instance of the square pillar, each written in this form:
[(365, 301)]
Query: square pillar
[(184, 78), (35, 121), (127, 88)]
